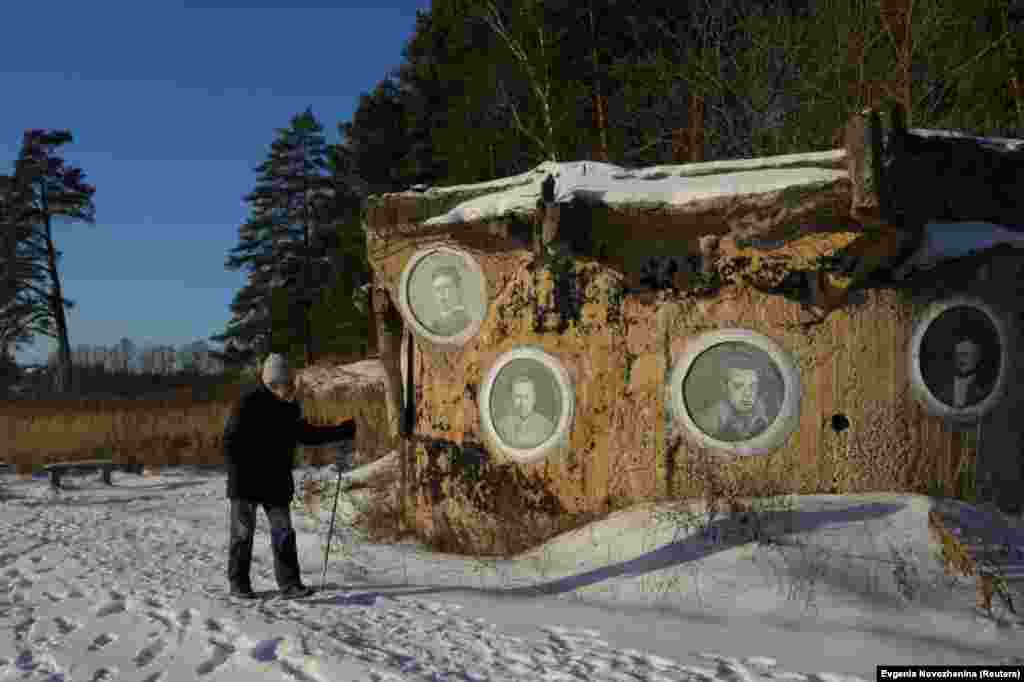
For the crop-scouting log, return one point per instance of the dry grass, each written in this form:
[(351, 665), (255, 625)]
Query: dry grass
[(175, 428)]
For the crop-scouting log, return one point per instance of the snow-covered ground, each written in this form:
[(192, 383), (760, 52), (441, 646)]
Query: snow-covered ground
[(127, 583)]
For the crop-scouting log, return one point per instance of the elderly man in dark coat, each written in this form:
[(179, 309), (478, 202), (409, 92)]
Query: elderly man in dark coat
[(259, 445)]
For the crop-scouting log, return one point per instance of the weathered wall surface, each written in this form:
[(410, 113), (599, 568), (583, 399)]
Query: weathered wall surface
[(584, 302), (619, 350)]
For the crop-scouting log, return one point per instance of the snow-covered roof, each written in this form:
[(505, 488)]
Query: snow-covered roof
[(670, 185), (679, 185), (665, 185)]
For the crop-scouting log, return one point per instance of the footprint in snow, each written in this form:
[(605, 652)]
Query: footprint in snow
[(222, 652), (65, 625), (102, 641), (220, 626), (161, 618), (110, 608), (149, 652), (186, 616), (23, 630), (105, 674)]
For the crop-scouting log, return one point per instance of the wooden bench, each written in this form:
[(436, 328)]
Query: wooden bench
[(55, 471)]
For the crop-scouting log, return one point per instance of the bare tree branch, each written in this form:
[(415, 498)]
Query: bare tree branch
[(540, 87)]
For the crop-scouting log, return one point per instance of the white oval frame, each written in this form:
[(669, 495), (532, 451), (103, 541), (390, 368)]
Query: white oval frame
[(920, 389), (409, 315), (563, 428), (788, 418)]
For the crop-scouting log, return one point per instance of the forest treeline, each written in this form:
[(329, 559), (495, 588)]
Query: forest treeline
[(490, 89)]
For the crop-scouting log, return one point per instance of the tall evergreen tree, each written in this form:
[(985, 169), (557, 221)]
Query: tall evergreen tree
[(16, 313), (50, 189), (277, 245), (378, 139)]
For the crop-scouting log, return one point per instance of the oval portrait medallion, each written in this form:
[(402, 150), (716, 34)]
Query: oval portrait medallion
[(958, 356), (443, 295), (526, 404), (736, 391)]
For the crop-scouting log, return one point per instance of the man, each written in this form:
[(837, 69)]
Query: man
[(524, 428), (742, 413), (259, 444), (965, 387), (447, 287)]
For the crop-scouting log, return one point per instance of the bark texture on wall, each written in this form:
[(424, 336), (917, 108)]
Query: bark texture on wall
[(794, 266)]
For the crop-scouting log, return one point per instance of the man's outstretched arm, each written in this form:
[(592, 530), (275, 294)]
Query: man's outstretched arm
[(321, 435)]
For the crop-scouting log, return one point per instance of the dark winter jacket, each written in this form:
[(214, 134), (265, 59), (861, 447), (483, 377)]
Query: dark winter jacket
[(259, 445)]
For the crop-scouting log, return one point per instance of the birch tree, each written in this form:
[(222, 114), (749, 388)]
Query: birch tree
[(533, 47)]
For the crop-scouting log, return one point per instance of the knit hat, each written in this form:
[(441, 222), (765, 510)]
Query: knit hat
[(275, 370)]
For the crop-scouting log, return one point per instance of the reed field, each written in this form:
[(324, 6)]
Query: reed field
[(184, 426)]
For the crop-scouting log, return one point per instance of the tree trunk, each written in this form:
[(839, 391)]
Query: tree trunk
[(307, 325), (680, 146), (896, 16), (696, 129), (601, 124), (1017, 90), (64, 378)]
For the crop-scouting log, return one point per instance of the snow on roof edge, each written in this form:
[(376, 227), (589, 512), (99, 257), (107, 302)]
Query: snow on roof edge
[(1007, 143), (687, 169), (613, 187)]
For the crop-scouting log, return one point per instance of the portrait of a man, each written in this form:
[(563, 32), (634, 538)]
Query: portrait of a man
[(443, 295), (744, 384), (959, 359), (522, 426), (965, 386), (446, 287), (527, 402)]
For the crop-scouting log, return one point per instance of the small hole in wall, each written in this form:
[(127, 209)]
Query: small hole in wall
[(840, 422)]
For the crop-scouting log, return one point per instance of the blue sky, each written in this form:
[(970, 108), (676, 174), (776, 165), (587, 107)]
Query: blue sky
[(172, 105)]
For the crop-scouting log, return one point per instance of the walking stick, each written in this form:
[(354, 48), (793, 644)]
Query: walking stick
[(334, 511)]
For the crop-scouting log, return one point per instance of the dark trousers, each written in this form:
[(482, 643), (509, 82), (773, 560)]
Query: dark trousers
[(282, 540)]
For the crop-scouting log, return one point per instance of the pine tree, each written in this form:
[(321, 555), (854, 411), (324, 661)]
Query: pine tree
[(16, 274), (277, 244), (378, 140), (47, 188), (337, 321)]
